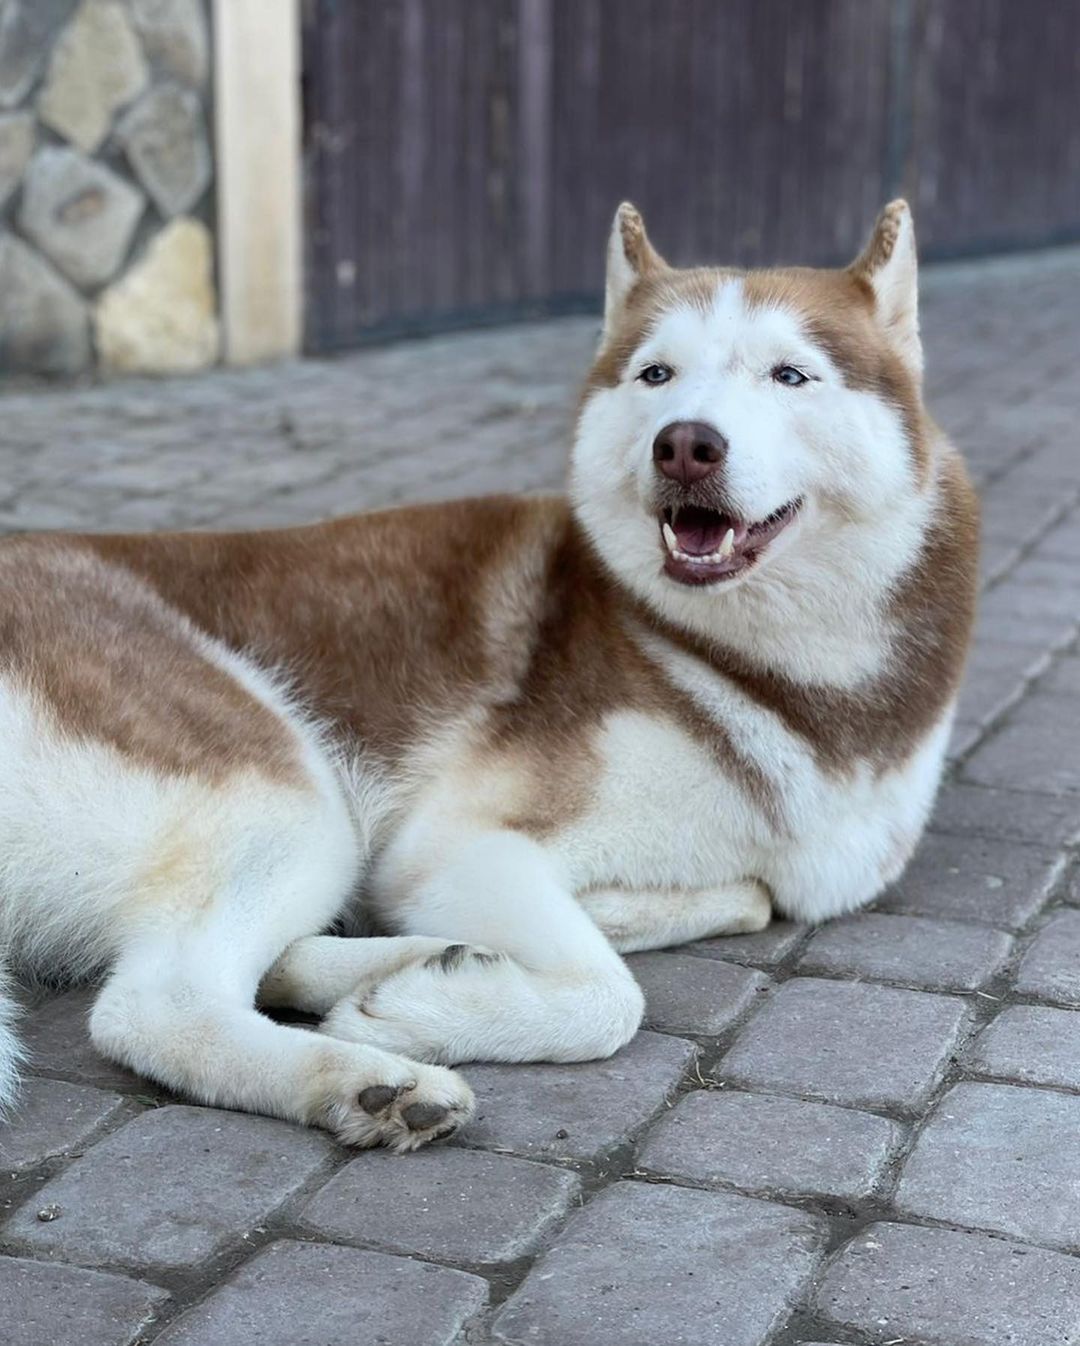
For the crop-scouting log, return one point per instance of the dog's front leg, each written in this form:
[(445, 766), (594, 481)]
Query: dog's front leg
[(529, 977), (634, 919)]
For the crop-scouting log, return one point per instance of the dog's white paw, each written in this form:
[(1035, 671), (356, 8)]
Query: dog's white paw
[(428, 1105), (752, 913), (415, 1011)]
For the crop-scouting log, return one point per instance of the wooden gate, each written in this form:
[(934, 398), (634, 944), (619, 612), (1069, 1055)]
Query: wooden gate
[(464, 157)]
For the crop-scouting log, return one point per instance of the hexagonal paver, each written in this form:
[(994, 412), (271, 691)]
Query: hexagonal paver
[(766, 948), (308, 1294), (576, 1111), (1050, 970), (1002, 1158), (67, 1306), (975, 879), (684, 994), (939, 1287), (764, 1144), (51, 1117), (934, 955), (449, 1205), (643, 1264), (852, 1043), (1030, 1044), (171, 1188)]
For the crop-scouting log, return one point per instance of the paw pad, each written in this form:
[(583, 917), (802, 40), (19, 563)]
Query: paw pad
[(422, 1116), (377, 1098)]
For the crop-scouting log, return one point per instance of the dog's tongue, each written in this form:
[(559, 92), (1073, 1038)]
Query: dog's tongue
[(699, 539), (699, 532)]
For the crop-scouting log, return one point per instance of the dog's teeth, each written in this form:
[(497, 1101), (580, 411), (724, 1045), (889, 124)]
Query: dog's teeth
[(670, 540), (728, 544)]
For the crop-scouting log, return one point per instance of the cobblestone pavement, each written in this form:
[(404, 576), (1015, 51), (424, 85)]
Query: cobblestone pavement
[(866, 1134)]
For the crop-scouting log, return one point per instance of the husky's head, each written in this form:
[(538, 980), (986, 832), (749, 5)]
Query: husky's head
[(739, 425)]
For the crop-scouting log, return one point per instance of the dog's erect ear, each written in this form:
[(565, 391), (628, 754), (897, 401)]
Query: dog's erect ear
[(630, 256), (889, 266)]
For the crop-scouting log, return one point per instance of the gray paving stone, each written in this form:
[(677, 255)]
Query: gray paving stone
[(309, 1294), (684, 994), (851, 1043), (999, 1157), (52, 1118), (766, 948), (975, 879), (1050, 970), (996, 677), (1030, 602), (445, 1204), (1042, 631), (764, 1144), (49, 1305), (1030, 1044), (574, 1111), (1062, 541), (56, 1039), (1037, 749), (1063, 679), (171, 1188), (644, 1264), (939, 1287), (1049, 571), (935, 955), (1006, 815), (964, 736)]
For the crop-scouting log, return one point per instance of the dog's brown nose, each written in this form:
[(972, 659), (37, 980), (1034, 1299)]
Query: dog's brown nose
[(688, 451)]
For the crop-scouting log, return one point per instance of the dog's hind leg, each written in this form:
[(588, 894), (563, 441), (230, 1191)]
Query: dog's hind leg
[(529, 977), (179, 1005), (187, 879), (184, 1018)]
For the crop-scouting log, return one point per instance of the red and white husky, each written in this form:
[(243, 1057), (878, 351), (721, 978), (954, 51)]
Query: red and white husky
[(534, 734)]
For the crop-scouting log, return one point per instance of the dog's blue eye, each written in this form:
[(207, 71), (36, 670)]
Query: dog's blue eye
[(655, 374), (789, 376)]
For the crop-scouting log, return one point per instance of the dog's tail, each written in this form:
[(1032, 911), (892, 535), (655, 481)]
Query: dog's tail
[(11, 1052)]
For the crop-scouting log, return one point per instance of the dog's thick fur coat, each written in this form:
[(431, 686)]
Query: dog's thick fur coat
[(532, 733)]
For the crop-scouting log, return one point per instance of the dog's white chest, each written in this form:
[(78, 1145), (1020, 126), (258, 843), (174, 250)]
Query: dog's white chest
[(668, 811)]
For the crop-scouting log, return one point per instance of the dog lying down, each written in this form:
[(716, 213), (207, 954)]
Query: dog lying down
[(535, 733)]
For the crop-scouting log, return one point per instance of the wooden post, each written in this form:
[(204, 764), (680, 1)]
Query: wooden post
[(257, 119)]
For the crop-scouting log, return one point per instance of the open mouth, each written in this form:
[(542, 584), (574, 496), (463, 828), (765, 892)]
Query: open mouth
[(704, 546)]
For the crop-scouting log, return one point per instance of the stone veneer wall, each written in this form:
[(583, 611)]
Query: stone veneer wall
[(106, 257)]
